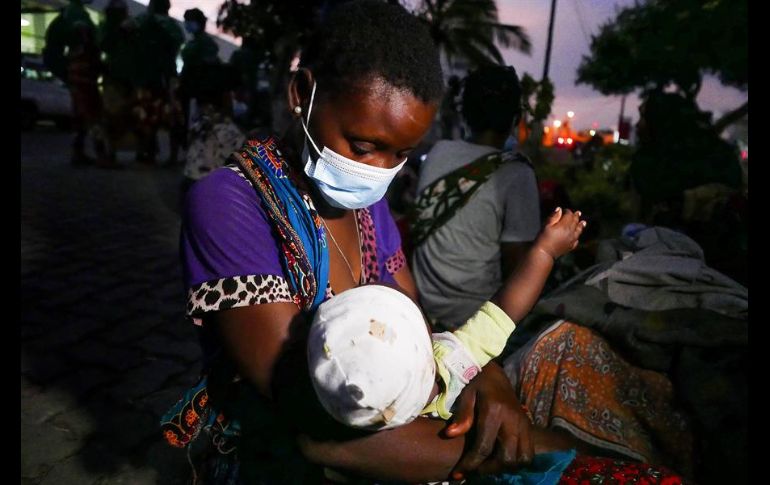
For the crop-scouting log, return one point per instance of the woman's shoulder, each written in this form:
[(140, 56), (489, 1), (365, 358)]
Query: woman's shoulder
[(515, 164), (223, 197), (221, 184)]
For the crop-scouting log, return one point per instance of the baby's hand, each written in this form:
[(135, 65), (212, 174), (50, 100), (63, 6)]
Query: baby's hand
[(560, 234)]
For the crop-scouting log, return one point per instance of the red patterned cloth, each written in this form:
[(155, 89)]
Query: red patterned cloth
[(589, 470)]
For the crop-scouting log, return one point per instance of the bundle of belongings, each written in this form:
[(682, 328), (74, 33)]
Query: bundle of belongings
[(657, 303)]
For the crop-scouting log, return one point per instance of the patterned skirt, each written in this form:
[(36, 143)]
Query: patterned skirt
[(570, 378)]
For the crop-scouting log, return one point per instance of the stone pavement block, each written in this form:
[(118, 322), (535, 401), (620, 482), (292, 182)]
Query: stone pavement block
[(58, 273), (70, 266), (31, 268), (123, 304), (43, 367), (161, 401), (70, 470), (70, 331), (42, 446), (186, 351), (86, 380), (171, 291), (180, 330), (144, 380), (93, 352), (131, 329), (39, 404), (82, 421), (101, 458), (171, 463), (91, 279), (69, 297), (43, 285), (98, 310), (29, 331), (129, 475), (121, 291), (126, 431)]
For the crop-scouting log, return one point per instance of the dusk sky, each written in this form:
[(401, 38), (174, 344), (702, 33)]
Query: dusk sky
[(576, 22)]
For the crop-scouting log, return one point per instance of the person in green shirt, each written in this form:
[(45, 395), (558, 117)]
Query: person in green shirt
[(72, 54)]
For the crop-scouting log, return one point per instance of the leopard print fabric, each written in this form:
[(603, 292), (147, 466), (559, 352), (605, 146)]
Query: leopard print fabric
[(260, 289), (395, 262), (370, 271), (235, 292)]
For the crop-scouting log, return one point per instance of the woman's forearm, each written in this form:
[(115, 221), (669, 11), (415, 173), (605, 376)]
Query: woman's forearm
[(413, 453)]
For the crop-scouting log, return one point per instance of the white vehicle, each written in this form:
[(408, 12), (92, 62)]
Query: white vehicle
[(43, 95)]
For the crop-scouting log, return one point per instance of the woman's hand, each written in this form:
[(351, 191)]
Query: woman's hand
[(501, 439), (561, 233)]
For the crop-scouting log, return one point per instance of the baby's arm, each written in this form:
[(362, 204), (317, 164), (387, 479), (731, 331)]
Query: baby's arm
[(461, 354), (522, 289)]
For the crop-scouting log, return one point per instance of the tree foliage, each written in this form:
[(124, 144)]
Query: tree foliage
[(271, 27), (536, 97), (470, 30), (659, 42)]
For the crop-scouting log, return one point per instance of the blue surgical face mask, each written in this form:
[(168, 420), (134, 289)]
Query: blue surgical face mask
[(192, 26), (239, 109), (344, 183)]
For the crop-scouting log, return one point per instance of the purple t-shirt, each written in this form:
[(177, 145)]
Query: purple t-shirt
[(231, 254)]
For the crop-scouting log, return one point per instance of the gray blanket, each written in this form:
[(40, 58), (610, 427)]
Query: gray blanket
[(657, 303)]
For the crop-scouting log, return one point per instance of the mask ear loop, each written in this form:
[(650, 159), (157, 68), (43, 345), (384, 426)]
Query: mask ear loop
[(302, 120)]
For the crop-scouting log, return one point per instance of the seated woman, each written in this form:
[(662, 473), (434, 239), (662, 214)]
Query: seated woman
[(477, 208), (288, 224)]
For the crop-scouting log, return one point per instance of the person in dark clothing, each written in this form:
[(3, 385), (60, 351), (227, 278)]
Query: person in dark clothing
[(688, 178), (72, 54), (246, 63), (117, 36), (159, 39), (199, 54)]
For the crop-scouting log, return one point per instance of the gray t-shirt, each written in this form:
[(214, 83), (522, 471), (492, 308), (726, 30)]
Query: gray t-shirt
[(457, 268)]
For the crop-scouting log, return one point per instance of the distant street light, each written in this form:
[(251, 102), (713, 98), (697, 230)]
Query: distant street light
[(556, 123), (570, 114)]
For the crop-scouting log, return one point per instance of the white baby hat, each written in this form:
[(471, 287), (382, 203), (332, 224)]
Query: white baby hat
[(371, 357)]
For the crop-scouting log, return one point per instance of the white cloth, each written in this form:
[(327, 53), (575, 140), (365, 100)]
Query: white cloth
[(371, 357)]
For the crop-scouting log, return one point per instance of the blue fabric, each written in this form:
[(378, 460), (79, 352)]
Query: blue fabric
[(545, 469), (301, 220)]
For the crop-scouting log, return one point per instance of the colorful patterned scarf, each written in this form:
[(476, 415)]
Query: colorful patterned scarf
[(306, 261), (303, 241), (439, 201)]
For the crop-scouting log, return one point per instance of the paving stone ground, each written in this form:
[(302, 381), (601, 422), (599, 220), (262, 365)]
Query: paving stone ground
[(104, 346)]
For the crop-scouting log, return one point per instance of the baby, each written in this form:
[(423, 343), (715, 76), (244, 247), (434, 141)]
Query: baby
[(374, 364)]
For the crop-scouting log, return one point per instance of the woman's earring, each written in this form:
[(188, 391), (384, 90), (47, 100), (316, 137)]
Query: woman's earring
[(298, 110)]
